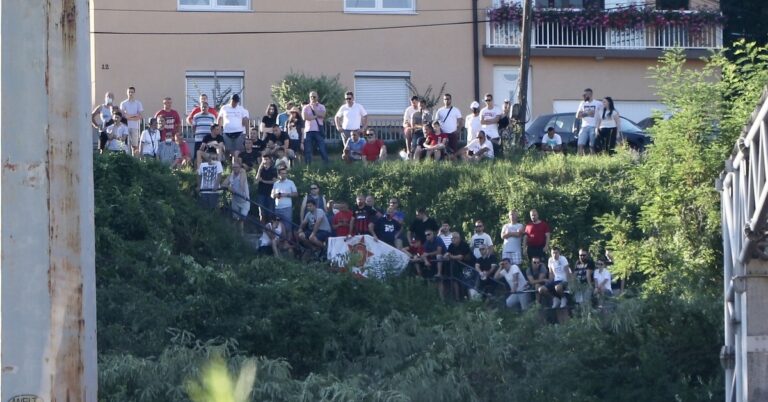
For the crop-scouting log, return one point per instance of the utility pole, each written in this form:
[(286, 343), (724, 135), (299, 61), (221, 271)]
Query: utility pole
[(525, 62), (48, 296)]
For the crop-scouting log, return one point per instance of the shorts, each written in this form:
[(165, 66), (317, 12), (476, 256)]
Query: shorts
[(234, 142), (209, 200), (551, 285), (586, 135), (133, 137), (534, 251), (321, 235), (514, 256), (240, 209)]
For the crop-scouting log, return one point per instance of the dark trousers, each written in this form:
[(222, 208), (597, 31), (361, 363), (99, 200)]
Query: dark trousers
[(311, 139)]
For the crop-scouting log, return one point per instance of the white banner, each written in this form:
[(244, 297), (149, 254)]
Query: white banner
[(366, 256)]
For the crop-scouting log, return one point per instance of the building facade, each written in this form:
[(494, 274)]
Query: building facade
[(181, 48)]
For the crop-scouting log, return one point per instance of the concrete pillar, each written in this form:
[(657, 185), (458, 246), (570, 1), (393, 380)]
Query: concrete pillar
[(48, 296), (752, 289)]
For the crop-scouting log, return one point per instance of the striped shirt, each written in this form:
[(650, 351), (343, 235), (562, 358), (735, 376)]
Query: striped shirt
[(203, 123)]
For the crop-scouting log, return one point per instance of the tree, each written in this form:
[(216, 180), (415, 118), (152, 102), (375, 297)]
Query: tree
[(295, 87)]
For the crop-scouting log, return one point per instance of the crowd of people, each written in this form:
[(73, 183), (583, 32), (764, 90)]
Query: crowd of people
[(526, 269)]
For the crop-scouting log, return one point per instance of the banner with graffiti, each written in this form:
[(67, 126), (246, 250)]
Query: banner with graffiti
[(365, 256)]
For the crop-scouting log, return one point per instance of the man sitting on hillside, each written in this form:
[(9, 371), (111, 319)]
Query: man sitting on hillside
[(314, 229), (374, 149), (353, 148), (478, 149)]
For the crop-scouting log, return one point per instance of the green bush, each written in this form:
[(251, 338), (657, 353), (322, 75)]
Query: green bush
[(295, 87)]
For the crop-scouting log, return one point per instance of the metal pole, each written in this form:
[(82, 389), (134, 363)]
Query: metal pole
[(48, 274), (525, 62)]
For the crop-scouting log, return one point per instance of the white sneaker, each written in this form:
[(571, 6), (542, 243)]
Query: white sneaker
[(555, 302), (564, 302)]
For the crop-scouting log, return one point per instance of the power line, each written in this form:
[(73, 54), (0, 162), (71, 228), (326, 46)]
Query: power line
[(270, 11), (290, 31)]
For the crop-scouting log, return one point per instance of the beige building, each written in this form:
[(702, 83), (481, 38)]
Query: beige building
[(180, 48)]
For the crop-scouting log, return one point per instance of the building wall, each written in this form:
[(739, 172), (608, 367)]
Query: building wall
[(156, 65)]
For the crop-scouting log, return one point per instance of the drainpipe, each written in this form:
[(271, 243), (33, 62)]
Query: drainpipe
[(475, 50)]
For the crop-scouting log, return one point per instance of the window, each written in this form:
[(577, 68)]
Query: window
[(672, 4), (380, 6), (382, 92), (218, 85), (214, 5)]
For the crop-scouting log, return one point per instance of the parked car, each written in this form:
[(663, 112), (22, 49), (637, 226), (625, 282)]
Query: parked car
[(563, 124)]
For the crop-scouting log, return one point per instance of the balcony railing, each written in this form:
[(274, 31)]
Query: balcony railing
[(556, 35)]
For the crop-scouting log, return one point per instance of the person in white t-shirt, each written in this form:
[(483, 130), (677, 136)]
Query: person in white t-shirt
[(235, 121), (118, 135), (350, 117), (451, 121), (133, 110), (479, 238), (407, 128), (602, 279), (209, 184), (472, 122), (559, 274), (589, 109), (150, 140), (551, 142), (478, 149), (517, 284), (512, 235), (609, 127), (489, 119)]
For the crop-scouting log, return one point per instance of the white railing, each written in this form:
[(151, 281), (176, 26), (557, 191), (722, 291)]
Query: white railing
[(553, 34)]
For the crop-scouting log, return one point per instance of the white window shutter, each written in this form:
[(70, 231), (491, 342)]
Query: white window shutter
[(384, 95)]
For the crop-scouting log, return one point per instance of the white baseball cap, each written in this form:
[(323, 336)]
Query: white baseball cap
[(474, 105)]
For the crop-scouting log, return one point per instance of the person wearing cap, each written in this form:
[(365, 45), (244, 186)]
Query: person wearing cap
[(451, 121), (551, 142), (490, 116), (150, 140), (350, 117), (172, 119), (478, 149), (472, 122), (235, 121)]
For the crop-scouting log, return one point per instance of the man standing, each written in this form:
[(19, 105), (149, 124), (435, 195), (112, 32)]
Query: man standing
[(172, 119), (472, 122), (362, 216), (103, 113), (265, 179), (201, 119), (537, 235), (350, 117), (450, 121), (132, 110), (489, 120), (235, 120), (512, 235), (203, 100), (283, 192), (209, 184), (407, 128), (386, 228), (588, 109), (313, 115)]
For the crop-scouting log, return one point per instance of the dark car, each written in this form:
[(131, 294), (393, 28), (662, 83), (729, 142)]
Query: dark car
[(563, 124)]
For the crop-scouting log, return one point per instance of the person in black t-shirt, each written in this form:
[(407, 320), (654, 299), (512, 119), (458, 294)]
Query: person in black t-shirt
[(362, 216), (265, 178), (421, 224), (250, 156), (212, 143), (485, 267), (459, 255), (386, 228), (583, 270)]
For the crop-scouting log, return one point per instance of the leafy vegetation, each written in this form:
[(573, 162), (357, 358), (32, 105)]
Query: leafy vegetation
[(177, 288), (295, 87)]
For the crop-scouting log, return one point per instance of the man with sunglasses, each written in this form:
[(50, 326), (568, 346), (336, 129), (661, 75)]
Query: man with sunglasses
[(451, 121), (480, 239), (350, 117), (313, 115), (489, 120), (583, 270), (374, 149)]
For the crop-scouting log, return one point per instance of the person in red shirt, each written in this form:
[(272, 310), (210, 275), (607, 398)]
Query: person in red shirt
[(341, 219), (172, 119), (186, 158), (437, 143), (421, 147), (374, 149), (537, 235)]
